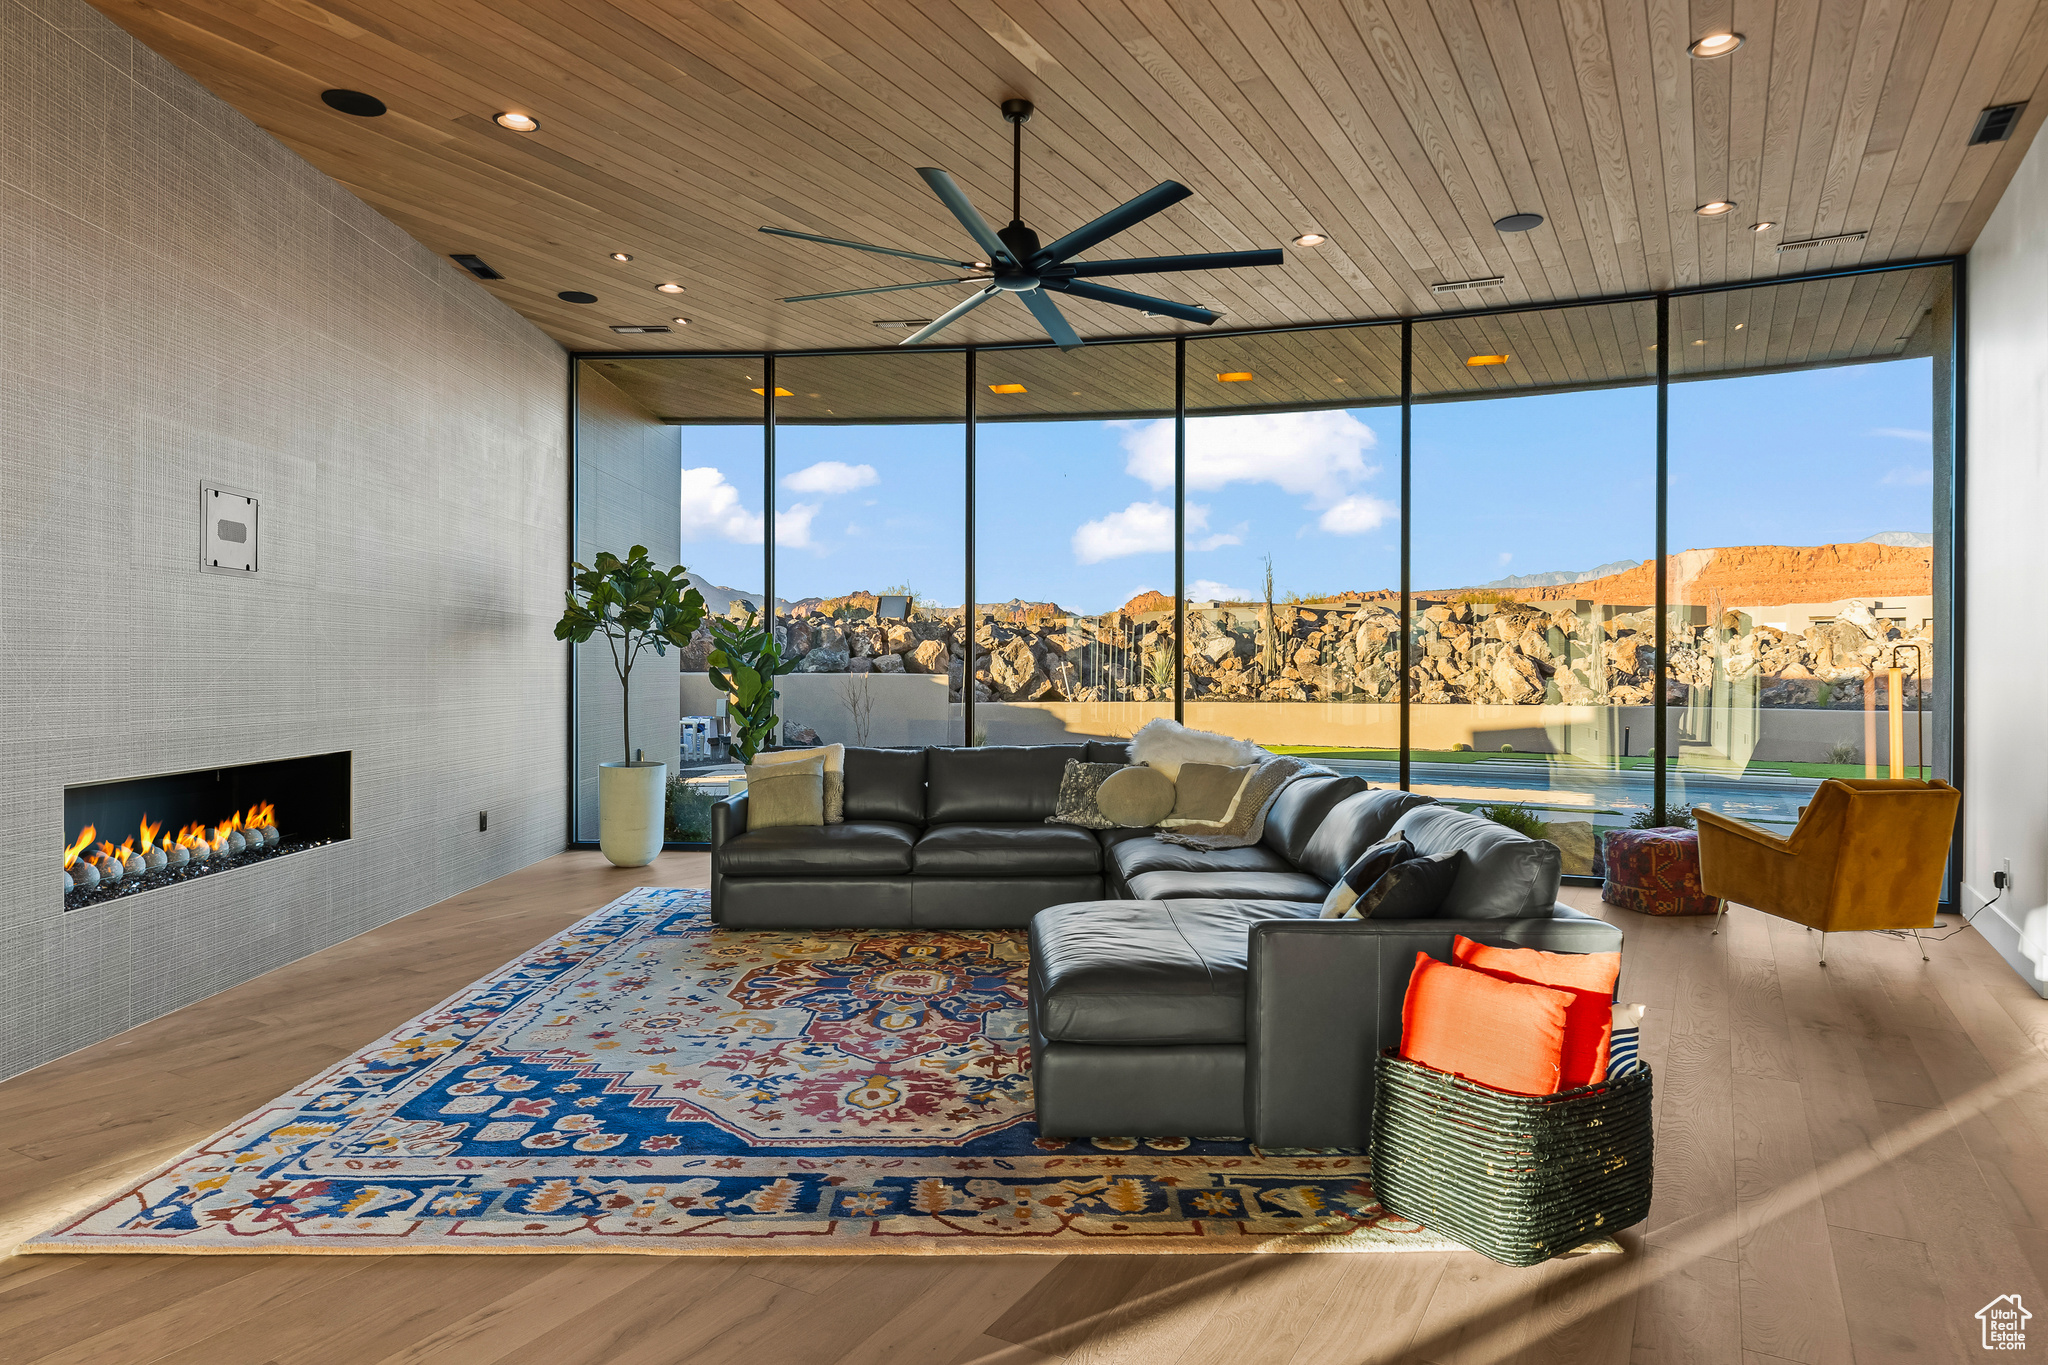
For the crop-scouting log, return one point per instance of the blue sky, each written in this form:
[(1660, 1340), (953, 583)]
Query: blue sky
[(1082, 512)]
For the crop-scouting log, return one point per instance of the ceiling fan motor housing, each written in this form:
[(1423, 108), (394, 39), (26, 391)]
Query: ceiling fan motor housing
[(1021, 240), (1017, 111)]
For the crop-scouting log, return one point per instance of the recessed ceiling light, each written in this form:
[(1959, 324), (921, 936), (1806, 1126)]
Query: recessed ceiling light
[(576, 296), (1310, 239), (1715, 45), (1007, 388), (352, 102), (1234, 377), (1765, 226), (1740, 325), (622, 255), (1715, 208), (780, 392), (1518, 222), (1474, 362), (518, 123), (680, 322), (1699, 341), (670, 288), (978, 265)]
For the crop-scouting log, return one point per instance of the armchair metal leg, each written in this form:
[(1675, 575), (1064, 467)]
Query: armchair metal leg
[(1823, 947), (1918, 944), (1719, 911)]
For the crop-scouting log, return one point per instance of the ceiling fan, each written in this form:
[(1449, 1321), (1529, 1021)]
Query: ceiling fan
[(1018, 265)]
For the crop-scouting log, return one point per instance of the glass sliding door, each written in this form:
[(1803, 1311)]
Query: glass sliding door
[(1533, 549), (1074, 541), (1809, 455), (1293, 542), (870, 546)]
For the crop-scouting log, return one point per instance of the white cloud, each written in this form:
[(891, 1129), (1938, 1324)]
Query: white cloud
[(1145, 528), (1505, 556), (1209, 590), (712, 509), (831, 478), (1141, 528), (1905, 434), (1357, 514), (1319, 455), (793, 525), (1908, 478)]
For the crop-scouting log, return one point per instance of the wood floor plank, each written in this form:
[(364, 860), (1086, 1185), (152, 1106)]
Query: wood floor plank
[(1815, 1127)]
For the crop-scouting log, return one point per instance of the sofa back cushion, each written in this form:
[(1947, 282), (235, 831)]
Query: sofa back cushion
[(885, 784), (1354, 825), (1506, 874), (996, 782), (1109, 751), (1298, 812)]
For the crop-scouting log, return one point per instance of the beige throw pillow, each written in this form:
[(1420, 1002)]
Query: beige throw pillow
[(835, 774), (1206, 794), (1135, 797), (791, 792)]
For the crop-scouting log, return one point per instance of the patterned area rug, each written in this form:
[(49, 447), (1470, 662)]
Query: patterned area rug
[(647, 1082)]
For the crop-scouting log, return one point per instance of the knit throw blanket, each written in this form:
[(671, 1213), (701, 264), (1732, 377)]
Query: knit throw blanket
[(1248, 823)]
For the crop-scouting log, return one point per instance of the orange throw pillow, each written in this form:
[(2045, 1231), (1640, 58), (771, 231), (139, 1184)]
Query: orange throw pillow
[(1496, 1032), (1589, 977)]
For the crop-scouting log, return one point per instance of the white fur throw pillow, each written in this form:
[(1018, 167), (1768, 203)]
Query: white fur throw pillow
[(1166, 744)]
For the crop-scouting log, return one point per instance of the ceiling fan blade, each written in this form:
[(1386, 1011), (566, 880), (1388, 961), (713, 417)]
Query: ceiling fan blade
[(1124, 298), (949, 317), (1052, 319), (878, 289), (977, 227), (866, 246), (1156, 265), (1163, 195)]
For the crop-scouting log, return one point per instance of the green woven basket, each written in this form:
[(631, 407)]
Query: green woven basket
[(1519, 1178)]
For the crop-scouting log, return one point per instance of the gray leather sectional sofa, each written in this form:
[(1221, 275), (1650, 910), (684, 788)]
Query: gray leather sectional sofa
[(1173, 991)]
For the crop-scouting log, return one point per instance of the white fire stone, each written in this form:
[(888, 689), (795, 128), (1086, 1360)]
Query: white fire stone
[(236, 843), (154, 860), (136, 865), (110, 868), (178, 855)]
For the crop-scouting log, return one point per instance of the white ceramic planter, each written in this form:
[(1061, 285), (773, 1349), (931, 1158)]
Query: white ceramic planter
[(630, 810)]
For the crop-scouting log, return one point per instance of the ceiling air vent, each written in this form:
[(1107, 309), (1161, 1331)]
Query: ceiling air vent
[(636, 329), (1455, 286), (1839, 239), (1996, 123), (475, 266)]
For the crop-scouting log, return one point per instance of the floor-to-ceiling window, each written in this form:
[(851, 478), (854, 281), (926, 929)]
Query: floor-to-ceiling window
[(1809, 461), (1073, 542), (1293, 541), (870, 564), (1532, 550), (1808, 448)]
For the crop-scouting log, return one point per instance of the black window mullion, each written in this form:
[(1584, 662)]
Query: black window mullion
[(1180, 526), (1657, 673), (1407, 604), (967, 610)]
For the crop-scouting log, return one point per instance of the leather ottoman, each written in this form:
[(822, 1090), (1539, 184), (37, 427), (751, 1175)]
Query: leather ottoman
[(1655, 872)]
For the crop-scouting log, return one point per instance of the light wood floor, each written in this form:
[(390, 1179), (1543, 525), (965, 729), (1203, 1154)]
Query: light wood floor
[(1850, 1161)]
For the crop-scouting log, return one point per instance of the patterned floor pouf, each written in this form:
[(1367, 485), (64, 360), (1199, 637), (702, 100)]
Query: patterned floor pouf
[(1655, 872), (647, 1081)]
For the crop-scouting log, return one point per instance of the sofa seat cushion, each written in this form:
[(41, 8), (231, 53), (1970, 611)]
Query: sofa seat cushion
[(853, 848), (1145, 972), (1132, 856), (1265, 886), (1006, 848)]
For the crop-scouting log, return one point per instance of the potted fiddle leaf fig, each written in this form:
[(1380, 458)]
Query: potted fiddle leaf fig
[(635, 607), (745, 662)]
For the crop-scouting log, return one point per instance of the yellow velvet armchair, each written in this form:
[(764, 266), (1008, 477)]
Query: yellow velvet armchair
[(1864, 855)]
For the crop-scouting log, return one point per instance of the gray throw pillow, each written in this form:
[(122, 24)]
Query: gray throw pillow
[(1412, 889), (1076, 804), (1206, 793), (1364, 874), (786, 794)]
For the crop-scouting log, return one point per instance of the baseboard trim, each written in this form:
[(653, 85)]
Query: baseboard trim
[(2002, 934)]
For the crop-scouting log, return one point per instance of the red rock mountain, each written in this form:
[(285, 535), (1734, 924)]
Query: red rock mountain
[(1761, 575)]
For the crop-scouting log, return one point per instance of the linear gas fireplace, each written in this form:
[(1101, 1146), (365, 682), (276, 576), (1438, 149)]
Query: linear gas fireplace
[(144, 833)]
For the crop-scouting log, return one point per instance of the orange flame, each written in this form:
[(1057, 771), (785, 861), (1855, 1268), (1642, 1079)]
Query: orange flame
[(72, 851), (105, 850), (263, 816), (149, 833), (126, 850)]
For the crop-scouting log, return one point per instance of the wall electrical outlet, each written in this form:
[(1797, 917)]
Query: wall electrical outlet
[(483, 821)]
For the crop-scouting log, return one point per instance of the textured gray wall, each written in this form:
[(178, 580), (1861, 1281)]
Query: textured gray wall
[(181, 299), (628, 487)]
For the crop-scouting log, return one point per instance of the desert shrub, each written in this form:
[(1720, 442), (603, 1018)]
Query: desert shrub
[(687, 815), (1516, 818), (1844, 753), (1675, 817), (1461, 748), (1507, 748)]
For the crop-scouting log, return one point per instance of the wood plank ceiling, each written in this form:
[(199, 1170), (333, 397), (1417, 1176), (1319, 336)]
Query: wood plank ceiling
[(1401, 129)]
